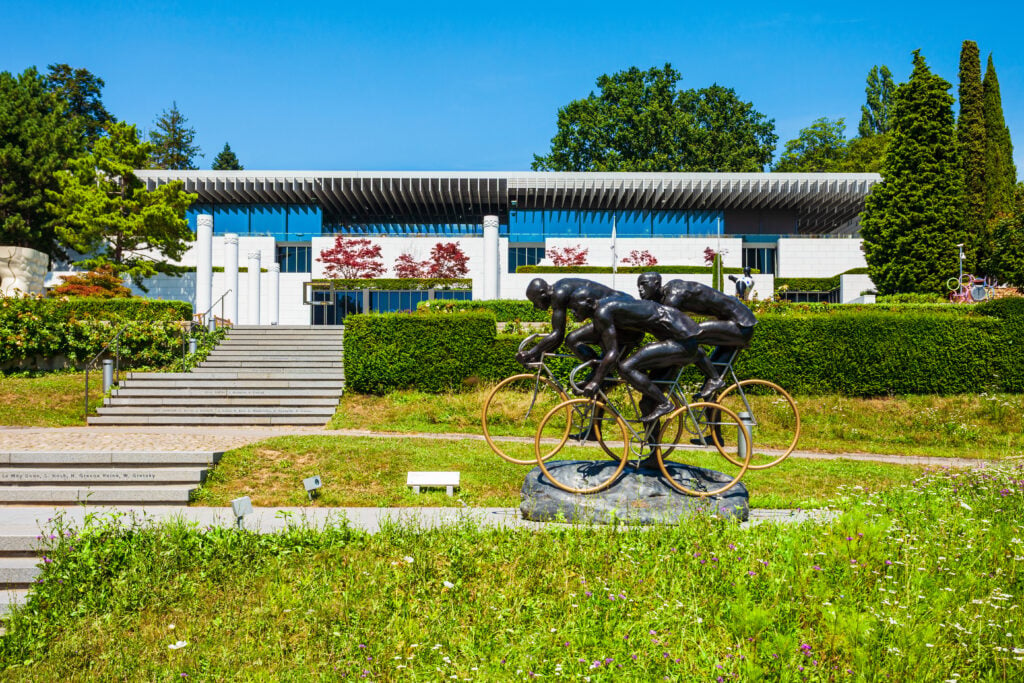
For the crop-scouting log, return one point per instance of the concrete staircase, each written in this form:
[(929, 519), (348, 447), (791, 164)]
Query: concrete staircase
[(259, 375)]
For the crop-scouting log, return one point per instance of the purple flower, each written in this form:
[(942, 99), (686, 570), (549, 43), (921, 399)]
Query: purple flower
[(816, 568)]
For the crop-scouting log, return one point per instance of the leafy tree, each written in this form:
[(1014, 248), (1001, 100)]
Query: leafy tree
[(640, 121), (105, 212), (640, 258), (865, 155), (448, 260), (37, 139), (406, 265), (970, 135), (102, 282), (876, 114), (913, 219), (82, 93), (352, 258), (819, 148), (568, 256), (1007, 261), (1000, 171), (227, 161), (173, 141)]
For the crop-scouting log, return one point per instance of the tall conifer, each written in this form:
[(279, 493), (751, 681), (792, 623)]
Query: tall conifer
[(1000, 171), (971, 138), (913, 219)]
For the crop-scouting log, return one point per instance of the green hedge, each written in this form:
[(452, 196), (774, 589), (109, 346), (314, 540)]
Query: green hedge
[(913, 350), (504, 310), (399, 283), (664, 270), (815, 284), (77, 328)]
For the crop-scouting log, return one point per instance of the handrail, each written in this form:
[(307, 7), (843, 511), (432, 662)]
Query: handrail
[(220, 300), (91, 363)]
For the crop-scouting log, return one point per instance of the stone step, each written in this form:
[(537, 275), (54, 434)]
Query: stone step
[(216, 409), (220, 400), (95, 494), (49, 476), (186, 377), (201, 382), (291, 347), (18, 572), (271, 328), (229, 392), (289, 352), (10, 597), (125, 420), (23, 544), (262, 363), (113, 458)]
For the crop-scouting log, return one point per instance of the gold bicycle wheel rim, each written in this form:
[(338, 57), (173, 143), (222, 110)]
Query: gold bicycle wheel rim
[(505, 383), (796, 422), (610, 452), (568, 406), (700, 408)]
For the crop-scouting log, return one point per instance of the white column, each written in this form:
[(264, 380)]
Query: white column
[(275, 292), (231, 277), (492, 258), (254, 288), (204, 262)]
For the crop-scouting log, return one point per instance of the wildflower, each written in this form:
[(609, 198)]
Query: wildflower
[(408, 559), (178, 645), (448, 584)]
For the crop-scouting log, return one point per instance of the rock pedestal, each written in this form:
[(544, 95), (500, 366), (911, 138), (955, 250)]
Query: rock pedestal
[(639, 496), (22, 271)]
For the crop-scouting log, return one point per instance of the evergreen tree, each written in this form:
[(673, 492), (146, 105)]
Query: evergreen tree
[(1000, 171), (913, 219), (173, 141), (971, 139), (876, 115), (107, 213), (227, 161), (82, 93), (1007, 262)]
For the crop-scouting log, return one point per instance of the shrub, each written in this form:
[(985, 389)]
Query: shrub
[(912, 298), (352, 257), (103, 283), (568, 256), (504, 311), (383, 283)]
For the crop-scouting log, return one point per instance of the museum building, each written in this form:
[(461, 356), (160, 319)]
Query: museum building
[(781, 224)]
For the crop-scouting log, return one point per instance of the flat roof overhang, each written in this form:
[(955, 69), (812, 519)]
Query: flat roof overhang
[(821, 201)]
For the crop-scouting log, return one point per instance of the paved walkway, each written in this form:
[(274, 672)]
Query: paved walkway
[(225, 438)]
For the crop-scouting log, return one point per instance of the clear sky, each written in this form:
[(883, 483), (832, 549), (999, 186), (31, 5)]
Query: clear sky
[(476, 86)]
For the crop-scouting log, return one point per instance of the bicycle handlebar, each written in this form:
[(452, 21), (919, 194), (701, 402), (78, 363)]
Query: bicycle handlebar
[(525, 342), (579, 368)]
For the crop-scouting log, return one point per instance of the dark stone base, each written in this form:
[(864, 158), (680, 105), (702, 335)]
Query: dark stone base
[(638, 497)]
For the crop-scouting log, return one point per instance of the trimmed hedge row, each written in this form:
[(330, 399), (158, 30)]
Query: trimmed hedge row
[(504, 310), (815, 284), (665, 270), (77, 328), (385, 283), (853, 352)]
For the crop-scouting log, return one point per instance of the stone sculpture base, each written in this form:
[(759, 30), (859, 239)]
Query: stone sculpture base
[(22, 271), (638, 497)]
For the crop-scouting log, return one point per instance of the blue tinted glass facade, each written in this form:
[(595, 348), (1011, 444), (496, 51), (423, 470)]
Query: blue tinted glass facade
[(294, 259), (524, 255), (534, 226), (453, 229), (275, 220)]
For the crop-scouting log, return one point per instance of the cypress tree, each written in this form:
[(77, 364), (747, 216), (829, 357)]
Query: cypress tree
[(1000, 171), (913, 219), (227, 161), (876, 113), (971, 138)]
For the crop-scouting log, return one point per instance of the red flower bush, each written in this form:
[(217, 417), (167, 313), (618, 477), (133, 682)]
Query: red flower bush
[(568, 256), (352, 258)]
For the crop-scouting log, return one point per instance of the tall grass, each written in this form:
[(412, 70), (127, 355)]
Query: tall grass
[(921, 582)]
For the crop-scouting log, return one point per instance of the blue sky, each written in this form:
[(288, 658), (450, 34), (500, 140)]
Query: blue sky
[(476, 86)]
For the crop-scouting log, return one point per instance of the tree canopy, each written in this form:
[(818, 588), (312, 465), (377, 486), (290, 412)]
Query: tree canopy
[(1000, 171), (227, 161), (174, 142), (82, 94), (106, 212), (913, 219), (970, 135), (819, 148), (640, 121), (876, 113)]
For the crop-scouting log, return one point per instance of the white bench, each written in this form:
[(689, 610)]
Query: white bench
[(449, 480)]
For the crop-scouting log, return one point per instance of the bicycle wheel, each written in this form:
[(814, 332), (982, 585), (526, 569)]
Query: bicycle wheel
[(953, 284), (703, 418), (514, 408), (575, 471), (774, 421)]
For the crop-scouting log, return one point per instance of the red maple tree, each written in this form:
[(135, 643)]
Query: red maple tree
[(407, 266), (640, 258), (447, 260), (352, 258), (568, 256)]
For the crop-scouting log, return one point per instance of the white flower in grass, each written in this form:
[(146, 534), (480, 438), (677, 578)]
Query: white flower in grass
[(178, 645), (408, 559), (170, 626), (964, 505), (448, 584)]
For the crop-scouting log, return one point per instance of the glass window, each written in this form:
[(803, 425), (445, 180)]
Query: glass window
[(760, 258), (562, 223), (705, 222), (233, 219), (524, 255), (304, 222), (670, 223), (294, 258), (526, 226), (269, 219)]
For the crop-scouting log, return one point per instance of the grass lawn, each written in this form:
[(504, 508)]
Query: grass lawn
[(983, 426), (47, 400), (917, 583), (371, 472)]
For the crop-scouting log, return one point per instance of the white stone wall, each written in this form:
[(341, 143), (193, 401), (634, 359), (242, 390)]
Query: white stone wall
[(850, 287), (513, 285), (676, 251), (818, 257)]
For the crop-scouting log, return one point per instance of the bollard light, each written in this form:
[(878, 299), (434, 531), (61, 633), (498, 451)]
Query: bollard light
[(312, 484), (241, 507), (748, 421), (108, 375)]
